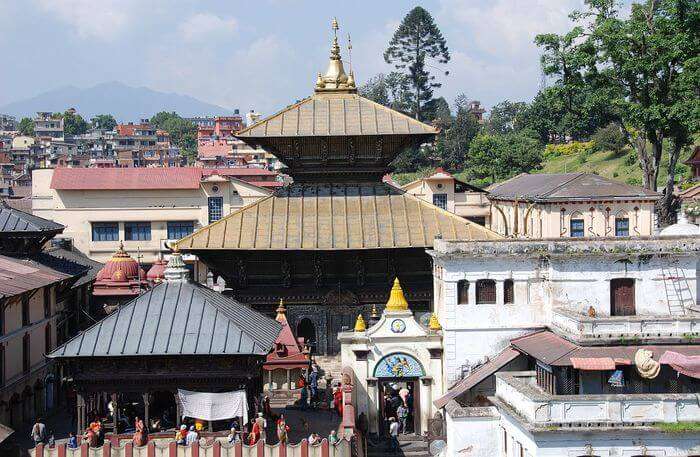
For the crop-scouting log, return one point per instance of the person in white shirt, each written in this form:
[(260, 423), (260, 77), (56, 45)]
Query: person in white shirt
[(394, 434), (192, 436)]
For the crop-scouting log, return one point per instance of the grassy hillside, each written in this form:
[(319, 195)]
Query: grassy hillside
[(623, 167)]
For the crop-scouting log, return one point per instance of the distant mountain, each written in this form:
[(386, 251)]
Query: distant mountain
[(124, 102)]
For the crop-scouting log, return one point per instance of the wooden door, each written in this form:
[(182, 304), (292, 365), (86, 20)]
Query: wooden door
[(622, 297)]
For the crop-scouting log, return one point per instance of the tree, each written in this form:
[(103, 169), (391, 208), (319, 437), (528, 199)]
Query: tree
[(390, 90), (26, 127), (183, 133), (416, 45), (499, 157), (646, 67), (104, 122), (610, 138), (74, 124), (506, 117), (454, 142)]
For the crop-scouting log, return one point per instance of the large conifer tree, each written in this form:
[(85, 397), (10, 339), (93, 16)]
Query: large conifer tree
[(416, 45)]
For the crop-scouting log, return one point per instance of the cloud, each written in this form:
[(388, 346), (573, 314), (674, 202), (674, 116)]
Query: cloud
[(205, 26), (101, 19)]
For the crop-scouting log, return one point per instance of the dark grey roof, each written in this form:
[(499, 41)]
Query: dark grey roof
[(176, 318), (13, 221), (92, 267), (567, 186)]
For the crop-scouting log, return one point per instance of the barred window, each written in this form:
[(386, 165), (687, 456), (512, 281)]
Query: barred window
[(105, 231), (179, 229), (137, 231), (216, 208)]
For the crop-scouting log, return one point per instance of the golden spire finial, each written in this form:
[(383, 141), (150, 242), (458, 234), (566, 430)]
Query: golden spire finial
[(397, 300), (360, 325), (434, 323), (281, 310), (335, 79)]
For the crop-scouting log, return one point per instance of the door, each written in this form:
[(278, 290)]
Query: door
[(622, 297)]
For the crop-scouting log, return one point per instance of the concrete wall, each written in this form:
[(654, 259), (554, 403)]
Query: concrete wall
[(465, 204), (576, 282), (474, 433), (77, 210), (546, 220)]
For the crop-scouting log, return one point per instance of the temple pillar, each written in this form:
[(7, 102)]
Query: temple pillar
[(80, 413), (373, 406), (178, 410), (269, 380), (146, 412), (289, 379), (115, 414)]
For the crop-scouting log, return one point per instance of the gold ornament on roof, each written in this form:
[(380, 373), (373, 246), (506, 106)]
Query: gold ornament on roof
[(335, 79), (434, 323), (281, 312), (374, 314), (360, 325), (397, 301)]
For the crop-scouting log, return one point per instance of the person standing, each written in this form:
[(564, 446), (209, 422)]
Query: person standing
[(333, 438), (313, 378), (261, 422), (394, 434), (192, 436), (72, 441), (402, 414), (282, 429), (140, 433), (39, 432)]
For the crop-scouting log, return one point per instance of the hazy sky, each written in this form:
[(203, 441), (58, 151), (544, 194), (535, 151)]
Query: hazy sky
[(263, 54)]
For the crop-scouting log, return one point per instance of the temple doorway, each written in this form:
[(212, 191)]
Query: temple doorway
[(307, 330), (393, 393)]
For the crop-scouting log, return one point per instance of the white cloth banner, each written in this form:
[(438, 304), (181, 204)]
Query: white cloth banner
[(213, 406)]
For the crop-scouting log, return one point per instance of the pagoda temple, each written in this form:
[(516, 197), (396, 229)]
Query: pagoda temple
[(332, 242), (120, 280)]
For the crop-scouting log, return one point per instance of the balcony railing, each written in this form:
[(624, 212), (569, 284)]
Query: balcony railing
[(518, 391), (604, 329)]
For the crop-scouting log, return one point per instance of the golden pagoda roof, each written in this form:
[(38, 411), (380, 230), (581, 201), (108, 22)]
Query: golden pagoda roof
[(336, 114), (327, 216), (397, 300)]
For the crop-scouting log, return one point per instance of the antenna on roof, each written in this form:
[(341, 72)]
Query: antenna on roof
[(349, 53)]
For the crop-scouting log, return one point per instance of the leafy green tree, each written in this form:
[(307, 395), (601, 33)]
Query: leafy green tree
[(74, 124), (454, 142), (507, 117), (26, 127), (610, 138), (499, 157), (183, 133), (104, 121), (390, 90), (417, 45), (646, 66)]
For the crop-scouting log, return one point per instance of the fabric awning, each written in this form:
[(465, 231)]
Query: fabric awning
[(211, 406), (593, 363), (684, 364)]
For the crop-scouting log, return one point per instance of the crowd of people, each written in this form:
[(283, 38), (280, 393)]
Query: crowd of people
[(398, 409)]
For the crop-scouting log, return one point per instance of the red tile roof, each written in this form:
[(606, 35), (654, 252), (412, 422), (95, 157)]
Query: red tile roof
[(126, 178), (239, 172)]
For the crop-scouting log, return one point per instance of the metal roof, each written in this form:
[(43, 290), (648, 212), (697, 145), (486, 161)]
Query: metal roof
[(329, 216), (567, 186), (484, 371), (176, 318), (336, 114), (15, 221)]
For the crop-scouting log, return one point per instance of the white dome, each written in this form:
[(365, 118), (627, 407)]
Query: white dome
[(681, 228)]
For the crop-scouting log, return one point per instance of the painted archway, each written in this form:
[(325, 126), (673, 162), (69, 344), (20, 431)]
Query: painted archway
[(398, 365)]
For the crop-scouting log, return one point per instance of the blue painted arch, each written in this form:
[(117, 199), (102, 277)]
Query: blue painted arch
[(398, 365)]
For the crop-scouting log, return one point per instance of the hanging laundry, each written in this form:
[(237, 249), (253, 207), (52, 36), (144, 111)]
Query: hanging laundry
[(616, 380)]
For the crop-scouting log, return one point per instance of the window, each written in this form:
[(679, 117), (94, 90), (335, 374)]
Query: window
[(508, 295), (622, 226), (576, 230), (485, 292), (47, 339), (25, 311), (137, 231), (26, 361), (216, 208), (440, 200), (47, 301), (105, 231), (179, 229), (463, 292), (622, 297)]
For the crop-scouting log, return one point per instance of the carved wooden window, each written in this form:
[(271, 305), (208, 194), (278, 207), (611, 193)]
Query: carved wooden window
[(47, 338), (26, 353), (622, 297), (508, 292), (463, 292), (485, 291)]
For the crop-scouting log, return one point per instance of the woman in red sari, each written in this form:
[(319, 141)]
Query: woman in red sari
[(254, 434), (140, 435), (338, 400)]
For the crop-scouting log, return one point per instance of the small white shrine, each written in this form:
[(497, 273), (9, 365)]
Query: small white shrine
[(395, 354)]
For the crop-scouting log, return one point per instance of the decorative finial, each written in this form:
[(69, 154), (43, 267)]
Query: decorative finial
[(434, 323), (334, 26), (281, 310), (335, 79), (176, 270), (375, 313), (397, 300), (360, 325)]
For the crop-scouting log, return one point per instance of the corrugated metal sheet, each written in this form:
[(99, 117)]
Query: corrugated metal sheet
[(369, 216), (176, 318), (14, 220), (552, 349), (478, 375), (126, 178), (327, 114), (567, 186)]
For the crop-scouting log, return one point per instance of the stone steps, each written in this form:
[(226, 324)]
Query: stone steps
[(409, 446)]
